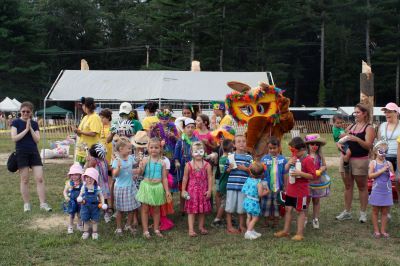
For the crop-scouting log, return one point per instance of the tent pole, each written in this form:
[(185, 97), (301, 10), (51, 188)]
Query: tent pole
[(44, 130)]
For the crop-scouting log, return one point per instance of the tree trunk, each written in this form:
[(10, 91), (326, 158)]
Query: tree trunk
[(397, 79), (321, 71), (222, 34), (367, 41)]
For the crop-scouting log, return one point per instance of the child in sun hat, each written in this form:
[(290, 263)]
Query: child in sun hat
[(319, 187), (381, 198), (91, 199), (71, 192)]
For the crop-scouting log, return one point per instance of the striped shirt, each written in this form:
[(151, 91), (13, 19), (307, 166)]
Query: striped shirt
[(237, 178)]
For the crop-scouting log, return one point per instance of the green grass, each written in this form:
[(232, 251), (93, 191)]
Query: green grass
[(336, 243), (7, 145)]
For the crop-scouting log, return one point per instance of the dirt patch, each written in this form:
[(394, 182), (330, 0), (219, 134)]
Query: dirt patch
[(69, 160), (332, 161), (54, 222)]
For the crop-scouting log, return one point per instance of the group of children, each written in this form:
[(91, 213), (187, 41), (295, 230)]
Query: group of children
[(164, 161)]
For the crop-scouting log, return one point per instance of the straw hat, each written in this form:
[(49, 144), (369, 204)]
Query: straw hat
[(314, 138), (93, 173), (140, 140)]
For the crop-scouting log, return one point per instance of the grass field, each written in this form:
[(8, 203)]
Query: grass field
[(336, 243)]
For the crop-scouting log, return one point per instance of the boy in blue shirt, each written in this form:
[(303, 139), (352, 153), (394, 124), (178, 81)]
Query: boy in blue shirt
[(275, 176)]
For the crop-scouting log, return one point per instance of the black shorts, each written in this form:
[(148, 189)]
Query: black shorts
[(28, 159), (299, 203)]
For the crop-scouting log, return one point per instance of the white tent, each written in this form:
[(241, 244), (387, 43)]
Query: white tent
[(71, 85), (349, 110), (7, 105), (16, 102)]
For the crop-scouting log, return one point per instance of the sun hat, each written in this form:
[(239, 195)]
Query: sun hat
[(225, 131), (75, 169), (125, 108), (391, 107), (314, 138), (140, 140), (93, 173)]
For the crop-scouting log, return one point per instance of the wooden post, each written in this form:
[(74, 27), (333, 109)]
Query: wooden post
[(367, 87)]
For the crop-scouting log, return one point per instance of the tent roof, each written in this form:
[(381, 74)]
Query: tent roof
[(17, 103), (54, 110), (139, 85), (8, 105), (349, 110), (323, 112)]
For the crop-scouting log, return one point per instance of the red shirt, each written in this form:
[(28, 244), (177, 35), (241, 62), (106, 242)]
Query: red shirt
[(300, 188)]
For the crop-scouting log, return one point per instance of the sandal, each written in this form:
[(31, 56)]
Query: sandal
[(147, 235), (158, 233), (377, 235), (281, 234), (385, 235), (192, 234), (203, 232), (233, 231)]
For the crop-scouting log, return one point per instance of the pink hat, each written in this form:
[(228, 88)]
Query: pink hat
[(93, 173), (391, 107), (75, 169)]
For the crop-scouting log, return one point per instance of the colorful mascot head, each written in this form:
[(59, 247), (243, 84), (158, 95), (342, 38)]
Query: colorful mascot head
[(265, 111)]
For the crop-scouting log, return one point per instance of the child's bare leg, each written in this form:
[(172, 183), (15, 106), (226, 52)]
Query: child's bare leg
[(71, 220), (316, 207), (229, 226), (94, 227), (130, 218), (242, 222), (191, 218), (145, 217), (135, 217), (300, 223), (252, 223), (118, 219), (375, 214), (202, 217), (288, 219), (220, 213), (384, 218), (86, 227), (346, 157), (156, 218), (217, 201), (248, 219)]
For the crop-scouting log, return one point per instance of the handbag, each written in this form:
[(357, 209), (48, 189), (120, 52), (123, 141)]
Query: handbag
[(12, 164)]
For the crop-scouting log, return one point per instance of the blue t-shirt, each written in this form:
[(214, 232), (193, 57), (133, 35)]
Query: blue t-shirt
[(237, 177), (280, 173), (124, 179), (26, 143)]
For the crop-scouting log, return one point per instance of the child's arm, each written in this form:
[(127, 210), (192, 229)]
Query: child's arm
[(177, 154), (185, 178), (371, 169), (262, 192), (165, 182), (142, 166), (391, 167), (65, 192), (210, 182), (323, 167), (116, 167), (290, 162)]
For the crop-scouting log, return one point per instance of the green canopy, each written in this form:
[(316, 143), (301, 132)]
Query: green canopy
[(323, 112), (54, 111)]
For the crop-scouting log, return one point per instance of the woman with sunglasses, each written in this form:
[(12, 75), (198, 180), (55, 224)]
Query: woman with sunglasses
[(361, 136), (25, 134)]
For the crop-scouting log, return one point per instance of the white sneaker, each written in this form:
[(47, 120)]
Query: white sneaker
[(363, 217), (79, 227), (389, 216), (70, 230), (344, 215), (107, 217), (315, 223), (46, 207), (257, 234), (249, 235), (85, 235), (118, 232), (305, 223), (95, 236), (27, 207)]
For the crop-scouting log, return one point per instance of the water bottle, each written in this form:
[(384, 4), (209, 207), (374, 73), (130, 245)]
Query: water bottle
[(292, 179), (186, 196), (298, 166)]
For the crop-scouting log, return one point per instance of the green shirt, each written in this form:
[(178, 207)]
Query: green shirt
[(137, 126), (337, 131), (221, 163)]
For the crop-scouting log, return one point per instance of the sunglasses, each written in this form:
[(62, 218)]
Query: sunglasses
[(26, 112), (198, 152), (382, 152)]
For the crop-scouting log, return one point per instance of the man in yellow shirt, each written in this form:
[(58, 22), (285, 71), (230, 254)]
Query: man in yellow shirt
[(221, 118)]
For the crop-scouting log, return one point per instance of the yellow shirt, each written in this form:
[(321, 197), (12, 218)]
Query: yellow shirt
[(89, 123), (227, 120), (148, 121), (105, 132)]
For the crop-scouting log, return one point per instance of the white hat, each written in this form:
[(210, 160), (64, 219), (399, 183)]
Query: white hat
[(182, 122), (125, 108)]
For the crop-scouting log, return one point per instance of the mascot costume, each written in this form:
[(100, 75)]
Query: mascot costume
[(265, 111)]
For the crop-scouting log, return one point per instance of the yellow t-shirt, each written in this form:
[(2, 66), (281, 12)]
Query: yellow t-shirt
[(105, 132), (148, 121), (227, 120), (89, 123)]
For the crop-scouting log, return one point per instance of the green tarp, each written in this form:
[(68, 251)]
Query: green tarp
[(54, 111)]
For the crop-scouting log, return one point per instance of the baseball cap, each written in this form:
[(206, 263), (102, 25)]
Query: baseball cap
[(125, 108)]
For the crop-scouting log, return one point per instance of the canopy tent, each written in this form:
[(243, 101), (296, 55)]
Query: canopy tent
[(54, 111), (17, 103), (71, 85), (349, 110), (324, 112), (7, 105)]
